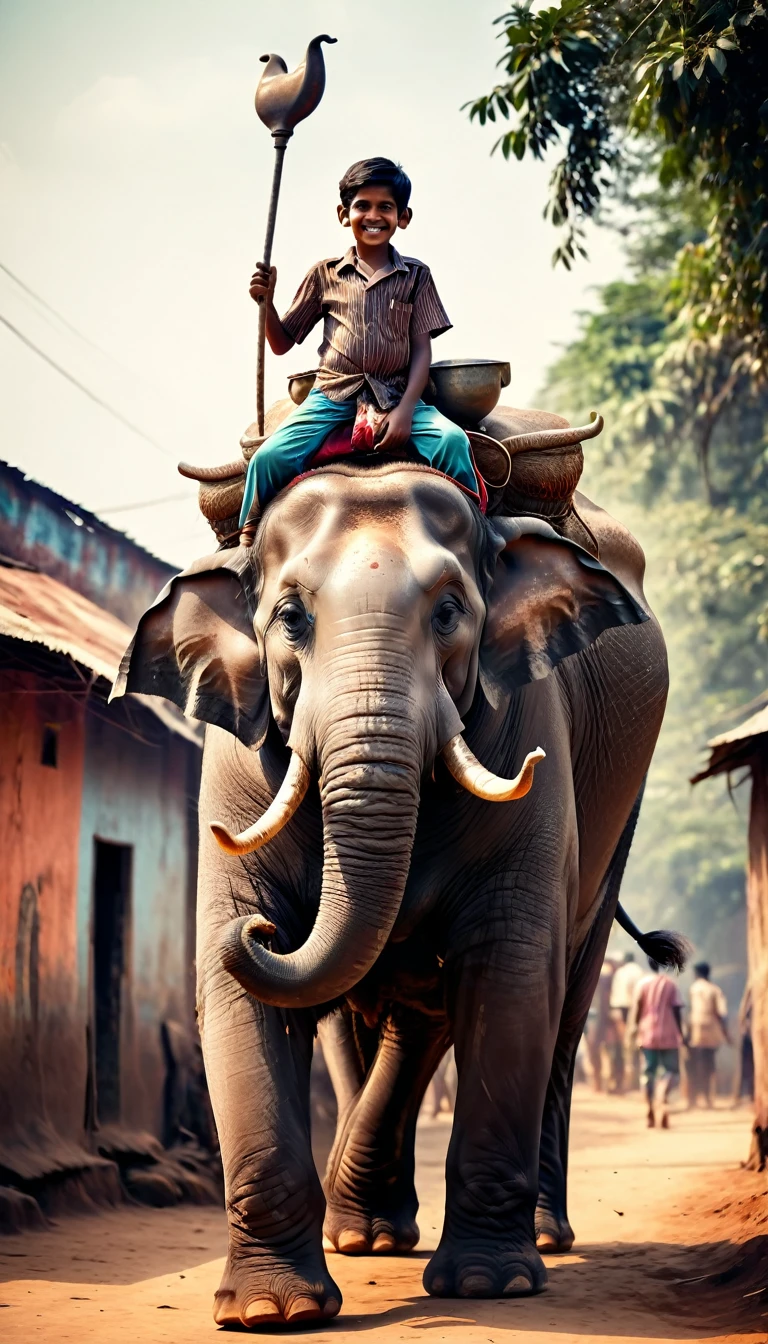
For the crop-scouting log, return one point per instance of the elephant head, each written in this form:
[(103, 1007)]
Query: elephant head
[(374, 606)]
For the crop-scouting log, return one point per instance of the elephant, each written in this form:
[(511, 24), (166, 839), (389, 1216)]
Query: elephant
[(371, 671)]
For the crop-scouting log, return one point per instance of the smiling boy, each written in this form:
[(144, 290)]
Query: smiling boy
[(380, 312)]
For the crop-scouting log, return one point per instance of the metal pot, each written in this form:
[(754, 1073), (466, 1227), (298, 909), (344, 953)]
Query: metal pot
[(300, 385), (466, 390)]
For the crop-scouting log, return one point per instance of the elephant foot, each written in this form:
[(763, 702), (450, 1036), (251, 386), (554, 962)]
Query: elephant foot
[(352, 1231), (554, 1235), (470, 1266), (259, 1289)]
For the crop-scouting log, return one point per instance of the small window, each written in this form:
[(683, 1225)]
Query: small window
[(50, 752)]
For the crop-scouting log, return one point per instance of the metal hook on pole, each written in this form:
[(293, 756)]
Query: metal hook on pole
[(282, 101)]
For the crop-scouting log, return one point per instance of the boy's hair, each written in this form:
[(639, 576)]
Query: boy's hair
[(376, 173)]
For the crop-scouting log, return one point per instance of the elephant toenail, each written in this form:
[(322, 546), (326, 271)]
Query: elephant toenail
[(328, 1245), (384, 1243), (225, 1311), (352, 1243), (263, 1309), (518, 1285), (476, 1285), (438, 1286), (302, 1309), (332, 1307), (546, 1243)]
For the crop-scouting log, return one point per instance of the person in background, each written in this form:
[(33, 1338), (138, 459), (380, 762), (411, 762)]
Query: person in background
[(707, 1031), (443, 1086), (744, 1083), (622, 993), (601, 1031), (655, 1023)]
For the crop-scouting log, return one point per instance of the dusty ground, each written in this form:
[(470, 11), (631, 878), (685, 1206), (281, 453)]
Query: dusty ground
[(650, 1208)]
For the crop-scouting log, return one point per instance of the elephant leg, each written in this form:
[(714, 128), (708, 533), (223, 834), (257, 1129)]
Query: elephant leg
[(554, 1233), (342, 1057), (506, 998), (257, 1062), (369, 1182)]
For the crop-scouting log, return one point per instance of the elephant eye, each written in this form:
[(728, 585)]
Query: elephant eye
[(293, 619), (446, 615)]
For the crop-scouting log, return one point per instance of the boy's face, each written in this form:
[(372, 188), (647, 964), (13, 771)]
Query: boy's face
[(373, 216)]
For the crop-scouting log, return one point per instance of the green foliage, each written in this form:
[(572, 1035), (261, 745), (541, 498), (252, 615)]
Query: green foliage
[(685, 79), (705, 534)]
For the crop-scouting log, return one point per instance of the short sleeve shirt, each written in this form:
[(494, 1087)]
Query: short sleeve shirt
[(368, 323), (707, 1006), (623, 987), (656, 997)]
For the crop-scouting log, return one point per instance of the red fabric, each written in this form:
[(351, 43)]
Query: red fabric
[(339, 444)]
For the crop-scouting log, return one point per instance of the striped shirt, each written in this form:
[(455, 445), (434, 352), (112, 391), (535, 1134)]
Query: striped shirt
[(368, 323)]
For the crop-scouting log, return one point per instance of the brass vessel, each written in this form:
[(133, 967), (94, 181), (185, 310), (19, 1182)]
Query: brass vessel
[(300, 385), (466, 390)]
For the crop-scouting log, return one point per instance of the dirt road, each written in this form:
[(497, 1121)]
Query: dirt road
[(148, 1277)]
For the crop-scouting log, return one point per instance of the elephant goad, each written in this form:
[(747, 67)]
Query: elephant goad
[(382, 672)]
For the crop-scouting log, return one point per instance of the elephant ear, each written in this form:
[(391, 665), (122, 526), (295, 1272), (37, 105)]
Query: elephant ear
[(196, 647), (548, 598)]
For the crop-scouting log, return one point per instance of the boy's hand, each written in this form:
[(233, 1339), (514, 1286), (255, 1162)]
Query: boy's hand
[(396, 429), (263, 281)]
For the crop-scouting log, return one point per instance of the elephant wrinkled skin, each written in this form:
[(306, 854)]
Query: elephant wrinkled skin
[(376, 618)]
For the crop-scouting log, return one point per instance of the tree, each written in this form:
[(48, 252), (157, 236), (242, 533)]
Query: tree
[(707, 564), (683, 79)]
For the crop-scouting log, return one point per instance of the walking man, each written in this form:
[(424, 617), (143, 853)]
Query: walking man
[(708, 1030), (622, 993), (655, 1022)]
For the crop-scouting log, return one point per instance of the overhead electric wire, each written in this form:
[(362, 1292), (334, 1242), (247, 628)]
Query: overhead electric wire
[(49, 308), (143, 504), (93, 396)]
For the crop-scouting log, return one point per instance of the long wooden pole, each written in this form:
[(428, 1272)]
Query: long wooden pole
[(281, 143)]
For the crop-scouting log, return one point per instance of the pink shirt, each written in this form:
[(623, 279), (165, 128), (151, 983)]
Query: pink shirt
[(655, 998)]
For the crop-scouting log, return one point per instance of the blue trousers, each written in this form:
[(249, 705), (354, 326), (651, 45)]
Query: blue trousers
[(286, 452)]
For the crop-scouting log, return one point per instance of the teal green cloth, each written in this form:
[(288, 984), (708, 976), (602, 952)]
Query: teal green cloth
[(664, 1062), (287, 452)]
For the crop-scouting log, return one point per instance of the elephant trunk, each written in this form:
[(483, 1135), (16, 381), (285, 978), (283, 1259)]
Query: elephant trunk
[(371, 760)]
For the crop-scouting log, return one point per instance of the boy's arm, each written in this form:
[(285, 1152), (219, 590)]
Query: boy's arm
[(396, 429), (262, 288)]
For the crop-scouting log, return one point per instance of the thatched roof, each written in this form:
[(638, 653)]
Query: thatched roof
[(733, 749)]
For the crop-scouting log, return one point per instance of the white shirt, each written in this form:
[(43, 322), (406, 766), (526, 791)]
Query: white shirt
[(707, 1005), (624, 981)]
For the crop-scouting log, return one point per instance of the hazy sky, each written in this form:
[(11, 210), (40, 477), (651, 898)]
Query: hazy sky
[(133, 185)]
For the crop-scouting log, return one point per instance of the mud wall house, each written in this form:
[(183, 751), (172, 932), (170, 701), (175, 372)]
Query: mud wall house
[(745, 749), (97, 865)]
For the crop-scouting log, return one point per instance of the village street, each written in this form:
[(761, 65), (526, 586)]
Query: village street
[(650, 1208)]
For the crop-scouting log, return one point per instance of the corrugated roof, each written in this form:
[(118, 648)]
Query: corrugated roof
[(39, 610), (730, 750)]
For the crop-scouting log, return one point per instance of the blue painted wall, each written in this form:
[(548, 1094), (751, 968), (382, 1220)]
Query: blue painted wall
[(49, 532)]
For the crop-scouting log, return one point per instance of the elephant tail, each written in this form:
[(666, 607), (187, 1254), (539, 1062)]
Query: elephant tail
[(663, 946)]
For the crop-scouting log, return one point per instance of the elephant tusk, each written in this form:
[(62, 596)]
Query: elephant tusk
[(467, 770), (285, 802)]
